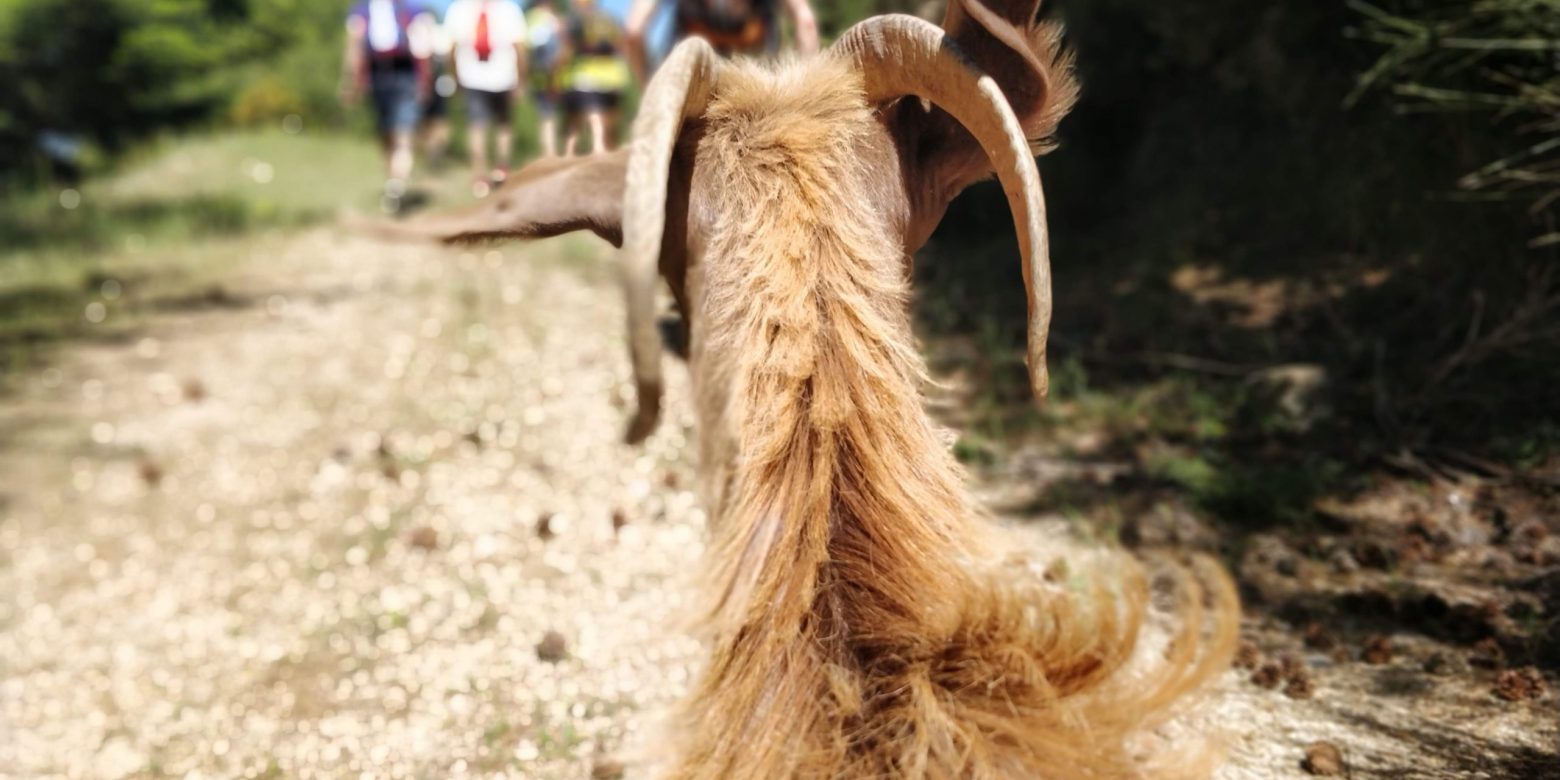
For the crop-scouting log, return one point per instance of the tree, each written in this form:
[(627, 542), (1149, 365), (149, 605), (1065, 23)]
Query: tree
[(106, 72)]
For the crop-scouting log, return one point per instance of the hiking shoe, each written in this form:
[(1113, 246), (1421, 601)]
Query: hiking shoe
[(390, 199)]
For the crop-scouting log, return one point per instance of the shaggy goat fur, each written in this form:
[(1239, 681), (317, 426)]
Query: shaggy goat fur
[(864, 621)]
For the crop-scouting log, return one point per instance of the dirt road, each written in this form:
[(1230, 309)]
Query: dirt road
[(362, 511)]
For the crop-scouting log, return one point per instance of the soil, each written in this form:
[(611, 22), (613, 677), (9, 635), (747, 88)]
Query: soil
[(378, 520)]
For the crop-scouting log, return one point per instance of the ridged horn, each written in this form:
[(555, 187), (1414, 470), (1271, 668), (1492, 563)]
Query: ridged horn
[(679, 91), (899, 56)]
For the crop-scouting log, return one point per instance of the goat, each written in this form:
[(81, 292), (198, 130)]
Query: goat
[(862, 618)]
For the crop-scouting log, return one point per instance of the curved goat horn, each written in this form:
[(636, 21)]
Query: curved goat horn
[(901, 55), (679, 91)]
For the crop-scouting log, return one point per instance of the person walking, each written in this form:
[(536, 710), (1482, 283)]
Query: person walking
[(731, 26), (434, 131), (488, 39), (546, 30), (595, 76), (387, 56)]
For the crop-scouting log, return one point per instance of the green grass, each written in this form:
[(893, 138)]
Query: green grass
[(165, 227)]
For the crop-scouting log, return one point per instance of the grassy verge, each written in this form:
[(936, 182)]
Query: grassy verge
[(85, 263)]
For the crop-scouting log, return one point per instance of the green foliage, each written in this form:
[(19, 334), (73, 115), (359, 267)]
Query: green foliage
[(267, 100), (836, 17), (155, 234), (1500, 57), (108, 72), (1261, 288)]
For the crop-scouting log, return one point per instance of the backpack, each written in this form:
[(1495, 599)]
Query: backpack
[(405, 12), (724, 16)]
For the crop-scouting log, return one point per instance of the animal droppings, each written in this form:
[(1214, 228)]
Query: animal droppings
[(1377, 650), (1520, 684)]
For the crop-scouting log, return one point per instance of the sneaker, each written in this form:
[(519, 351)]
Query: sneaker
[(390, 199)]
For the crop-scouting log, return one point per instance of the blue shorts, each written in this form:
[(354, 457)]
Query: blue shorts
[(396, 107)]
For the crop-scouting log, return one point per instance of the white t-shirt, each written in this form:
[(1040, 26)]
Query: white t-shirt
[(500, 72)]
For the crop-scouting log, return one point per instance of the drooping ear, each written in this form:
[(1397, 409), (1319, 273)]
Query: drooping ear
[(549, 197), (973, 129), (1023, 55)]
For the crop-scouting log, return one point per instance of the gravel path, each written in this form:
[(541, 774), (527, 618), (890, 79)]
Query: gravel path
[(364, 512), (302, 534)]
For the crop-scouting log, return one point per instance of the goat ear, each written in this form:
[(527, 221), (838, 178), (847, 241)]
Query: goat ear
[(549, 197), (1024, 55)]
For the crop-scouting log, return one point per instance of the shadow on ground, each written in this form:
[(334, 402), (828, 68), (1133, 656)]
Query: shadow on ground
[(1272, 329)]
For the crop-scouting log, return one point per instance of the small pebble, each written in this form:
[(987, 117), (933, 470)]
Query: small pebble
[(423, 538), (1323, 759), (1440, 664), (606, 769), (544, 529), (151, 473), (1343, 562), (553, 648)]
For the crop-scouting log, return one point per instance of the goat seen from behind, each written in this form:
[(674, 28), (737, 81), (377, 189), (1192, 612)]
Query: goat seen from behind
[(864, 620)]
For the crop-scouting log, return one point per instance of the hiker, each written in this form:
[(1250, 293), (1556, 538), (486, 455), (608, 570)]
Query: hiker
[(730, 26), (546, 29), (387, 55), (434, 132), (489, 47), (595, 76)]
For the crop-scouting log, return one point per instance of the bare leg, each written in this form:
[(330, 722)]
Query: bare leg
[(436, 139), (401, 157), (571, 137), (503, 145), (598, 133), (476, 143), (398, 168), (549, 131)]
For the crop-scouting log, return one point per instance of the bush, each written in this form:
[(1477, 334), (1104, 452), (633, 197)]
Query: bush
[(266, 101), (104, 73), (1499, 57)]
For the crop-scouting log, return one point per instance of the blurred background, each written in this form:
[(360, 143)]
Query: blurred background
[(1308, 304)]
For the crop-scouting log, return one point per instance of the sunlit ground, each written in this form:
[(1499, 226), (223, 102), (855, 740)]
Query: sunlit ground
[(278, 501)]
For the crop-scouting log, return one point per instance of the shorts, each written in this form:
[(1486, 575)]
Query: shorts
[(546, 102), (582, 102), (484, 108), (438, 105), (396, 106)]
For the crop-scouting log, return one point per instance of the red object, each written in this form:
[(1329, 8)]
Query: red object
[(484, 46)]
